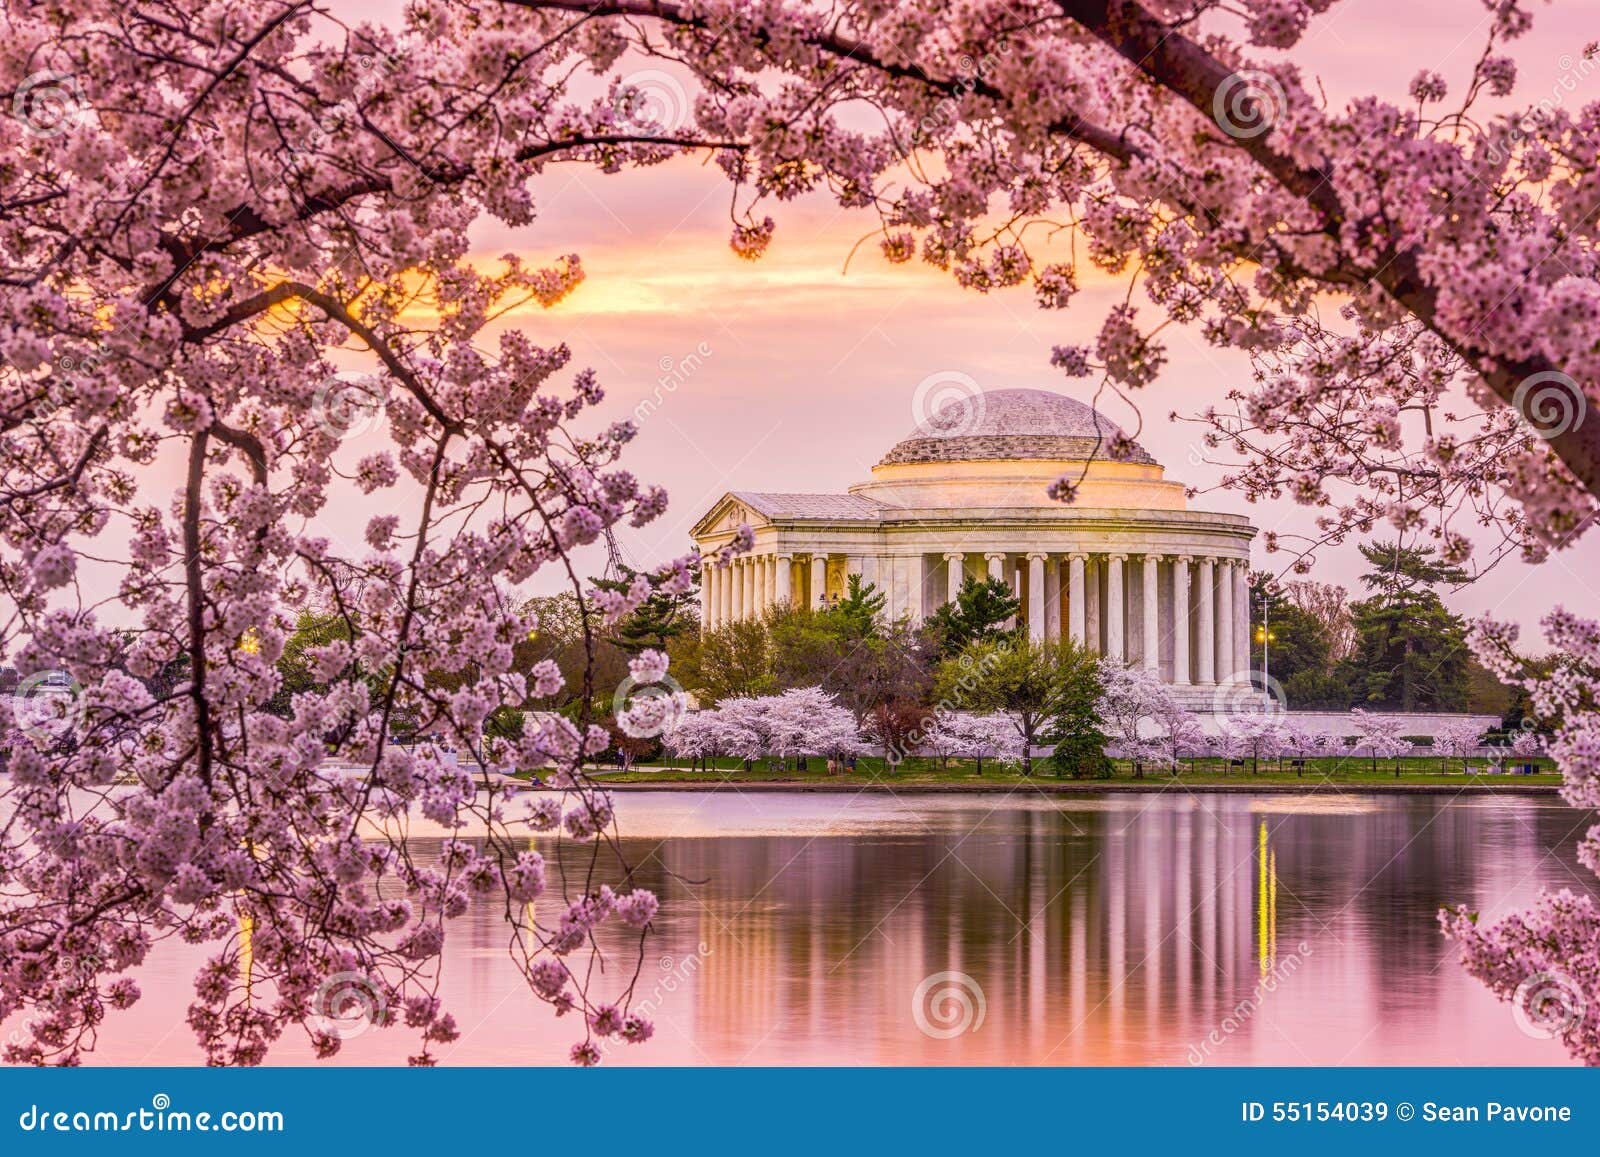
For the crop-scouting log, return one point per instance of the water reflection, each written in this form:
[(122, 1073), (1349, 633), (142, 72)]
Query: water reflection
[(1124, 930)]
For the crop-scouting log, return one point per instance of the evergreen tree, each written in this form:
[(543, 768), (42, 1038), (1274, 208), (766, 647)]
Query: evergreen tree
[(1075, 725), (858, 612), (1411, 650), (658, 619), (980, 611)]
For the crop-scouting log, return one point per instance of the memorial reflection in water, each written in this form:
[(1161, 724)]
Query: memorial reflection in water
[(1116, 930)]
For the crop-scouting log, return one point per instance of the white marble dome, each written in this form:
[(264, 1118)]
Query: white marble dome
[(1016, 425)]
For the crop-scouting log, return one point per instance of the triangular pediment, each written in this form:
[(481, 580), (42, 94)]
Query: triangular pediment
[(726, 515)]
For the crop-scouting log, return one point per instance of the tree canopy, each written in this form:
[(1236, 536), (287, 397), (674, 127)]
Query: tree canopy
[(984, 609), (206, 223)]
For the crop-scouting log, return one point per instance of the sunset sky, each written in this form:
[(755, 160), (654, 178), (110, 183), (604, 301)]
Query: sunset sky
[(812, 368)]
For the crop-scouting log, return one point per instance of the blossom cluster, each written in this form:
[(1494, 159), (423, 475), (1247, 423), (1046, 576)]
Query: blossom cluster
[(207, 224)]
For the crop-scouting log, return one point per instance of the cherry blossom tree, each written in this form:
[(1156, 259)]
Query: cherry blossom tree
[(687, 738), (1411, 271), (232, 247), (1380, 735), (1299, 741), (228, 242), (968, 735), (1257, 737), (1458, 738), (736, 727), (1527, 744), (1132, 704), (802, 721), (806, 721), (939, 737), (1226, 745), (1179, 734), (1546, 959), (1328, 743)]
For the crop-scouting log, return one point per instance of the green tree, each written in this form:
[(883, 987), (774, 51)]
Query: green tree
[(656, 621), (980, 611), (1075, 726), (565, 634), (1330, 689), (311, 629), (1293, 641), (849, 651), (858, 612), (733, 659), (1046, 688), (1411, 651)]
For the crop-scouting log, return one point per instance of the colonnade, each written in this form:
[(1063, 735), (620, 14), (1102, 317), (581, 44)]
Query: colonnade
[(1183, 615)]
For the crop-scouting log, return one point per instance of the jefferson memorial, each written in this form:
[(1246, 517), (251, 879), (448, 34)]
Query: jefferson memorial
[(1126, 567)]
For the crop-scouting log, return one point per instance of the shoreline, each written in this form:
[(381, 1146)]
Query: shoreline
[(1087, 788)]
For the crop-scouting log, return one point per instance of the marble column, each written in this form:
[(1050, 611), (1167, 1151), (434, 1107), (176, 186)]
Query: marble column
[(770, 573), (1036, 563), (708, 597), (736, 581), (1052, 599), (751, 609), (1116, 647), (1076, 597), (954, 575), (1092, 605), (785, 579), (1225, 668), (1206, 642), (819, 580), (1152, 614), (1180, 618), (1241, 615), (916, 588), (725, 595)]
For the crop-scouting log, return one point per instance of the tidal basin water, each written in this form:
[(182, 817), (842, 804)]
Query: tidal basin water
[(1108, 930)]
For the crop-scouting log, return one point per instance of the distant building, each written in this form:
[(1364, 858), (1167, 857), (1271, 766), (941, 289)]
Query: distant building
[(1126, 567)]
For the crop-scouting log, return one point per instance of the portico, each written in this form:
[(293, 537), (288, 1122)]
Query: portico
[(1126, 568)]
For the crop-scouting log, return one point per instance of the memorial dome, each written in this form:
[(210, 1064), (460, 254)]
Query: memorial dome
[(1013, 425)]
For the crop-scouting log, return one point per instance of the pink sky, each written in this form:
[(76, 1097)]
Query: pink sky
[(811, 369)]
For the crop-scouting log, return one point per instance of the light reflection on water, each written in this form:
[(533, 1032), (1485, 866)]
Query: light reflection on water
[(1115, 930)]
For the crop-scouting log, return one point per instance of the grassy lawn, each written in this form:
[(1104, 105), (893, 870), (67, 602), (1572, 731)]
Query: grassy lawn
[(1352, 772)]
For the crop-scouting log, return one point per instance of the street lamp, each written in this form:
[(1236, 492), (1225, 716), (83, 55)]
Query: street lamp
[(1264, 636)]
